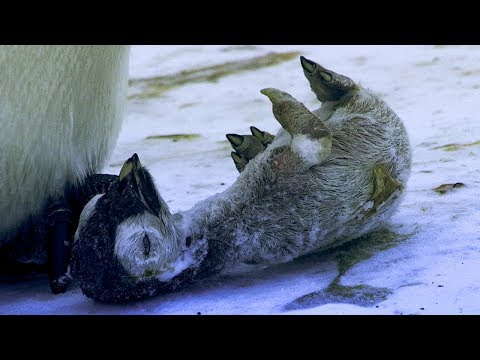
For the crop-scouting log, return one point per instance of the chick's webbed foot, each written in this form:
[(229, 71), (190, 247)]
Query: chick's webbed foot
[(248, 146), (311, 139)]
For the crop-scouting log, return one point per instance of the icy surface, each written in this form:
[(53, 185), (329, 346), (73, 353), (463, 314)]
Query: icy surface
[(433, 269)]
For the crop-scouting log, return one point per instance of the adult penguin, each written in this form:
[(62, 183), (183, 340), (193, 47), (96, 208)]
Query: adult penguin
[(61, 110)]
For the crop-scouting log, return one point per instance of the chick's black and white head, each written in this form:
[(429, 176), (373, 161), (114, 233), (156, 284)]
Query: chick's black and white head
[(326, 84), (125, 239)]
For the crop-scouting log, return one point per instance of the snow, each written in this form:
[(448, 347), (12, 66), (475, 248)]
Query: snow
[(434, 89), (308, 149)]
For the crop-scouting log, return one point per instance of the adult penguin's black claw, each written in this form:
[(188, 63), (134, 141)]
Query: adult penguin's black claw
[(58, 246)]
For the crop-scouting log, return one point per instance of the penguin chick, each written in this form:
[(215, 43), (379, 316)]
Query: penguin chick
[(328, 177)]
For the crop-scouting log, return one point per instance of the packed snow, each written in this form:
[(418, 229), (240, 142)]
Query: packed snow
[(429, 258)]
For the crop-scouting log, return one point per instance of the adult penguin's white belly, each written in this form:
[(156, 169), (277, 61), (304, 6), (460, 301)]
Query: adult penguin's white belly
[(61, 109)]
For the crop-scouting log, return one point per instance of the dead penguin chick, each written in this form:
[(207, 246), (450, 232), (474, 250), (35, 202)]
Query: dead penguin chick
[(327, 177)]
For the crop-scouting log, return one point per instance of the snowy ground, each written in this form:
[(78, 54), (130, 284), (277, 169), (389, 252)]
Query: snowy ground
[(431, 264)]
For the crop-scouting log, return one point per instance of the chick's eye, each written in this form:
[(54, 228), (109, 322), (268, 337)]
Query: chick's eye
[(146, 245)]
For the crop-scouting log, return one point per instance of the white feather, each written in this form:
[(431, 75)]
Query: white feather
[(61, 109)]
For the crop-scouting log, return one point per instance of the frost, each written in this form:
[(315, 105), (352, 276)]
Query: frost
[(307, 148)]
